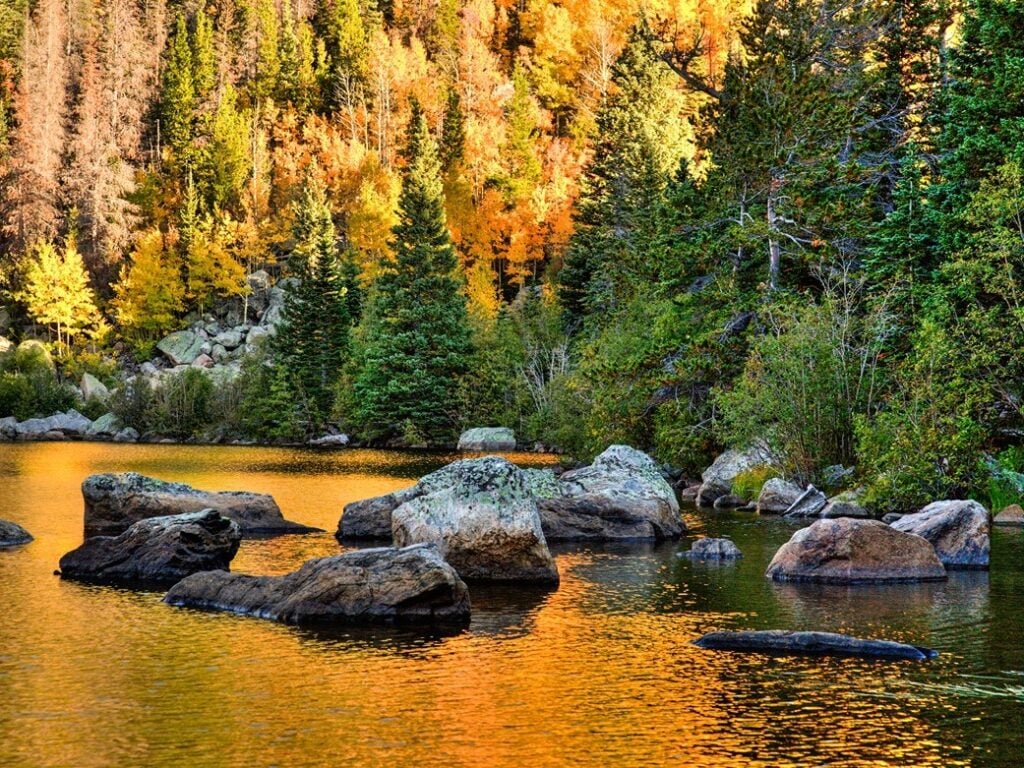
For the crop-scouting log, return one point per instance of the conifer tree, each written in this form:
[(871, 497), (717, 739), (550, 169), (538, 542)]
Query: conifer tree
[(417, 341), (178, 92), (312, 340), (453, 132)]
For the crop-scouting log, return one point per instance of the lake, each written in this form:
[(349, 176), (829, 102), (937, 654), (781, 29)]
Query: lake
[(600, 672)]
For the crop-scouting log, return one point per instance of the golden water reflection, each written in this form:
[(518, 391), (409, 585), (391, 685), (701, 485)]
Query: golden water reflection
[(600, 672)]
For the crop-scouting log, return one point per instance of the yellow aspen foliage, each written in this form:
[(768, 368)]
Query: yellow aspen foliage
[(214, 263), (57, 292), (150, 293)]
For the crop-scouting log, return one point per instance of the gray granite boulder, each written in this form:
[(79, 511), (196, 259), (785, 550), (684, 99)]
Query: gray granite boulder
[(106, 425), (13, 535), (621, 495), (846, 504), (483, 518), (157, 550), (717, 479), (959, 531), (849, 551), (114, 501), (777, 495), (181, 347), (809, 503), (487, 439), (411, 586), (94, 389)]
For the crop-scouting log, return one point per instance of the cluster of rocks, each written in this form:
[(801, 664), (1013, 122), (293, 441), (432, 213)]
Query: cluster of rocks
[(69, 425), (621, 496)]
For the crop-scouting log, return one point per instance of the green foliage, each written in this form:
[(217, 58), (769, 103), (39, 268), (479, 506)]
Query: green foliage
[(416, 337), (183, 404), (747, 485), (178, 91), (267, 408), (29, 386), (133, 404), (1006, 478)]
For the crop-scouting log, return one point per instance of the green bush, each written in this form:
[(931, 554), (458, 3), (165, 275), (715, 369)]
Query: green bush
[(182, 404), (133, 404), (747, 485), (29, 386), (82, 362), (267, 408)]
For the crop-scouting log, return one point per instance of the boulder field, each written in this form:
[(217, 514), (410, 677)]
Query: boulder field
[(622, 495), (113, 502), (410, 586), (157, 550)]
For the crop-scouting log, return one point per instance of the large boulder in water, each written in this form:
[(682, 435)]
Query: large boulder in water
[(13, 535), (622, 495), (848, 551), (959, 531), (369, 586), (488, 439), (160, 550), (483, 518), (115, 501), (717, 479), (782, 642)]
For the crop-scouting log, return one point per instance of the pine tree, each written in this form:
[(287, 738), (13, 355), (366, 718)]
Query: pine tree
[(312, 341), (417, 341), (638, 148), (453, 132), (178, 92), (204, 56)]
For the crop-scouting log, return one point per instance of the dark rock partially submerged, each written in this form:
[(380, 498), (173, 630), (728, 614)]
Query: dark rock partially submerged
[(713, 549), (370, 518), (158, 550), (113, 502), (13, 535), (776, 641), (410, 586)]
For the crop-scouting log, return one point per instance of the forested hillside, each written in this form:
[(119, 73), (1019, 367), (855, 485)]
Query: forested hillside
[(680, 225)]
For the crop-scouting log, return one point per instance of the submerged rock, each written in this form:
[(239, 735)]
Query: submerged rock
[(483, 518), (1011, 515), (776, 641), (13, 535), (369, 586), (959, 531), (718, 478), (115, 501), (713, 549), (157, 550), (487, 439), (622, 495), (849, 551)]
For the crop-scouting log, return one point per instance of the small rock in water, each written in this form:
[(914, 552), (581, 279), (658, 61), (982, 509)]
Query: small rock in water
[(13, 535), (1011, 515), (713, 549), (777, 641), (728, 501)]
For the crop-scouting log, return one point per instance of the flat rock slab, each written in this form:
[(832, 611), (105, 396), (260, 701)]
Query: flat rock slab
[(13, 535), (959, 531), (849, 551), (158, 550), (113, 502), (781, 642), (410, 586), (713, 549)]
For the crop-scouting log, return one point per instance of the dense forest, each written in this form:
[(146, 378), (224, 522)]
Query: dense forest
[(680, 225)]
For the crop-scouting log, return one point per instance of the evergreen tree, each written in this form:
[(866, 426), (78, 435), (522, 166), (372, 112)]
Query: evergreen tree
[(453, 132), (204, 57), (417, 340), (178, 92), (637, 149), (312, 341)]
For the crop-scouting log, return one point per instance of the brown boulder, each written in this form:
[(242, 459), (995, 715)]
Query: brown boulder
[(1011, 515), (849, 551)]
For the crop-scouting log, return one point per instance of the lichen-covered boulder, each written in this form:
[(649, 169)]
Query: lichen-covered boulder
[(718, 478), (713, 549), (410, 586), (181, 347), (94, 389), (849, 551), (157, 550), (106, 425), (483, 518), (13, 535), (846, 504), (487, 439), (1011, 515), (621, 495), (114, 501), (959, 531)]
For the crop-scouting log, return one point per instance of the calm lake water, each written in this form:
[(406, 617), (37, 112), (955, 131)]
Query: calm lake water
[(600, 672)]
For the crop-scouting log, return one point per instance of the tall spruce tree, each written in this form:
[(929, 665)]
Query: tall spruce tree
[(417, 334), (312, 341), (178, 92), (637, 150)]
